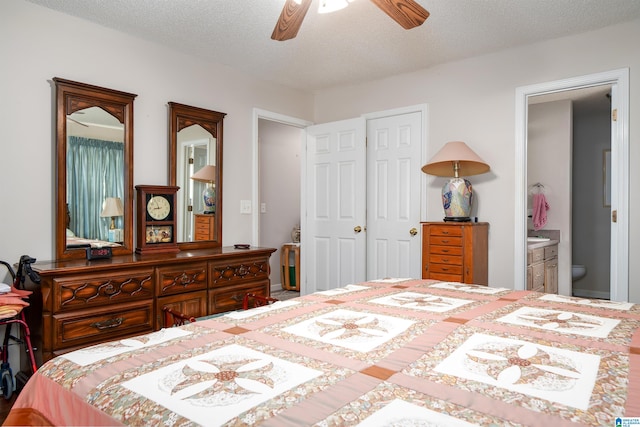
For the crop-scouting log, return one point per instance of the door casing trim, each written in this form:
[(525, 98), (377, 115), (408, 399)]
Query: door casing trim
[(620, 182)]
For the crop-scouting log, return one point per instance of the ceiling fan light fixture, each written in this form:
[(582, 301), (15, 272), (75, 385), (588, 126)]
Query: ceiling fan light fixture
[(328, 6)]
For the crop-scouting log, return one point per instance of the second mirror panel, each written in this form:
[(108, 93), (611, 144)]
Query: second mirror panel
[(195, 165)]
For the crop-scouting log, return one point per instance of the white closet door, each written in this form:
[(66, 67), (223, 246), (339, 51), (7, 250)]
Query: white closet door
[(334, 237), (394, 155)]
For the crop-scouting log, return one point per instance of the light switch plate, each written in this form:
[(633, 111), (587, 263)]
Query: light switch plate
[(245, 206)]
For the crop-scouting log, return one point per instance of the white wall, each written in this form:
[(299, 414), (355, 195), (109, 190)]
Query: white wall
[(474, 100), (37, 44), (471, 100), (549, 163), (279, 147)]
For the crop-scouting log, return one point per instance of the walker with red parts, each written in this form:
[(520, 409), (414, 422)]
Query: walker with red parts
[(12, 304)]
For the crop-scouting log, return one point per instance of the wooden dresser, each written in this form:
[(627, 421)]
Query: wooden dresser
[(456, 252), (204, 226), (88, 302)]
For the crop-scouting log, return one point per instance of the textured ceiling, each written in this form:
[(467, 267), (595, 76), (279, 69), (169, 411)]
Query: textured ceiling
[(355, 44)]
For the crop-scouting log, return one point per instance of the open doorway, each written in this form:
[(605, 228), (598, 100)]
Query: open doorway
[(619, 209), (568, 132), (278, 148)]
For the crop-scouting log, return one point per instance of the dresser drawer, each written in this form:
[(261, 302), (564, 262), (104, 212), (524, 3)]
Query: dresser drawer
[(445, 241), (182, 278), (230, 298), (445, 259), (443, 230), (78, 292), (236, 272), (91, 326), (445, 250), (445, 268)]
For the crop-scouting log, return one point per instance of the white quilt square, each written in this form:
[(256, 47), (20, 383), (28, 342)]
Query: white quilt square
[(93, 354), (420, 301), (343, 290), (401, 413), (464, 287), (215, 387), (553, 374), (245, 314), (565, 322), (614, 305), (355, 330)]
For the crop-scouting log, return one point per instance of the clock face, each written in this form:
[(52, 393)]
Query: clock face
[(158, 207)]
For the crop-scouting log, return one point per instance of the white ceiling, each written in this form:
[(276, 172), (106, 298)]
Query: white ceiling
[(355, 44)]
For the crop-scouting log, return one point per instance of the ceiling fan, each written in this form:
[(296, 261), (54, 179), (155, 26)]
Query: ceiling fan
[(407, 13)]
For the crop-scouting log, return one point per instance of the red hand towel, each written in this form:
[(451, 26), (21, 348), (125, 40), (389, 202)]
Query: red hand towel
[(540, 208)]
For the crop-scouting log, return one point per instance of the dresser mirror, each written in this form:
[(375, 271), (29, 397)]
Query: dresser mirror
[(94, 155), (195, 165)]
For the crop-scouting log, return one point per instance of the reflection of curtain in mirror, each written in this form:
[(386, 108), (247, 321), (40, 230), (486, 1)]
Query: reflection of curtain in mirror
[(95, 171)]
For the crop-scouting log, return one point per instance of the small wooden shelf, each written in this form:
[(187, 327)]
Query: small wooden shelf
[(290, 273)]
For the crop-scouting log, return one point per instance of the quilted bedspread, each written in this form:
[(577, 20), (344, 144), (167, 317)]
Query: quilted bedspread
[(388, 352)]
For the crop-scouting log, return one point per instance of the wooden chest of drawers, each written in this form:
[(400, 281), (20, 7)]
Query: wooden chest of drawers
[(204, 226), (89, 302), (456, 252)]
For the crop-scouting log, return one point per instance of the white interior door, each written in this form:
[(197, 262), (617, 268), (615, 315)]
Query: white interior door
[(335, 192), (394, 158)]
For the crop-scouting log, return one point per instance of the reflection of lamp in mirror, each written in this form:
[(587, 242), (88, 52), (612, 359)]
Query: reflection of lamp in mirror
[(456, 159), (207, 175), (112, 207)]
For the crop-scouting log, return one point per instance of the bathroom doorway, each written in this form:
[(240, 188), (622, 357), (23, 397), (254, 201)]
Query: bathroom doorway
[(569, 133), (619, 209)]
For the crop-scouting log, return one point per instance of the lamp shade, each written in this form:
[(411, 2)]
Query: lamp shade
[(443, 163), (208, 175), (112, 206), (456, 159)]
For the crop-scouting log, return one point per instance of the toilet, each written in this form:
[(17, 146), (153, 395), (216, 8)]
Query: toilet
[(578, 272)]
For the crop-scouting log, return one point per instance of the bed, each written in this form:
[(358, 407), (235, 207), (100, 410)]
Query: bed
[(387, 352)]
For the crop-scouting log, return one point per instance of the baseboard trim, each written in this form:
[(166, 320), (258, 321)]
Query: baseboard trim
[(586, 293)]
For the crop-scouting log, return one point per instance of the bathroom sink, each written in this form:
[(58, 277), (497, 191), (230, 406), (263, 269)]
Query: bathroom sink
[(537, 239)]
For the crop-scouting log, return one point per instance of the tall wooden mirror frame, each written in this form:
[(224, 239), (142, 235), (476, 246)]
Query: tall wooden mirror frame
[(73, 96), (182, 116)]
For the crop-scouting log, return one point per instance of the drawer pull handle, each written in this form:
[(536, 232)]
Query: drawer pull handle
[(184, 279), (445, 259), (445, 232), (242, 270), (446, 251), (445, 241), (108, 324), (237, 298), (110, 289)]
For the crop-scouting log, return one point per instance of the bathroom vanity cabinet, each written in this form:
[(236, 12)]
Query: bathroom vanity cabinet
[(542, 267)]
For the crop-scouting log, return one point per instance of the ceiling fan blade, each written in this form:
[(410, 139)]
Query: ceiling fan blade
[(78, 122), (407, 13), (290, 20)]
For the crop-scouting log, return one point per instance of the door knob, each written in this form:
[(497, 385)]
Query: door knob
[(413, 231), (357, 229)]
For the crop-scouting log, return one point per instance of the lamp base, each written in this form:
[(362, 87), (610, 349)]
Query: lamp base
[(457, 219), (457, 197), (209, 195)]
